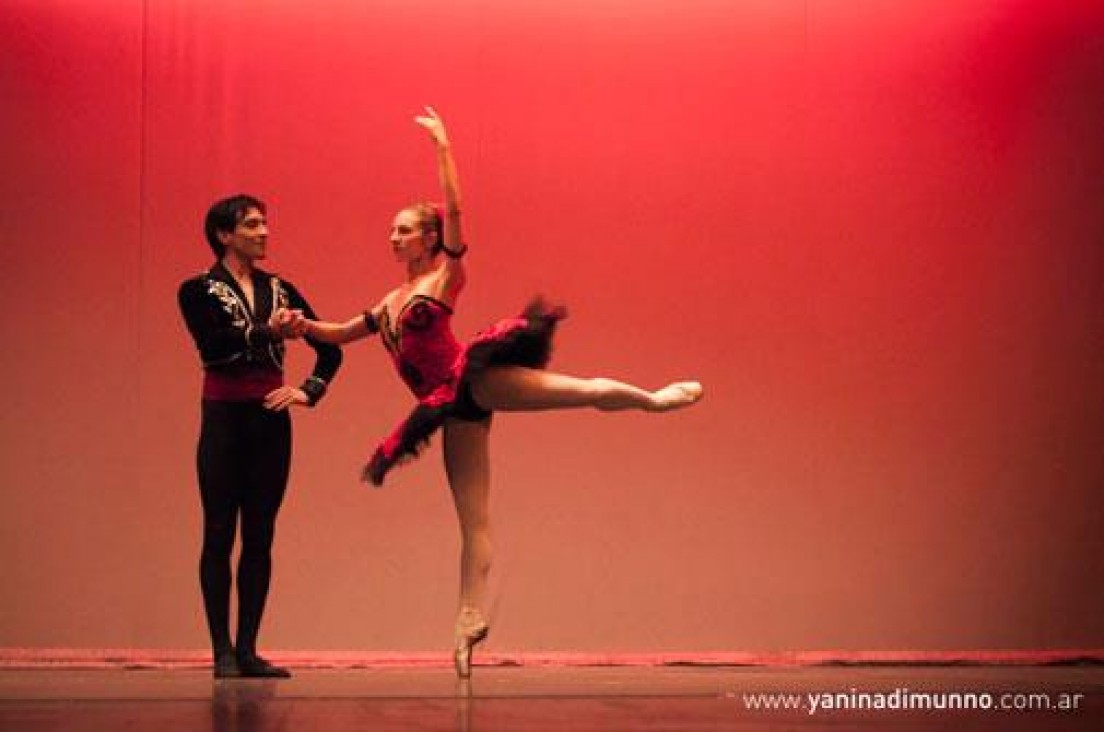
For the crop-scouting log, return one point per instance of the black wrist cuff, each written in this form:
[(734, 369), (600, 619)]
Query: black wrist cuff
[(314, 388)]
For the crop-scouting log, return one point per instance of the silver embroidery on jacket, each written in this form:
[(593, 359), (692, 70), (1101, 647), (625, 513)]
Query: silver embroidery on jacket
[(241, 318), (233, 306)]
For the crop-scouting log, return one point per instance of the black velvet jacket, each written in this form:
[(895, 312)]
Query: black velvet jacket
[(233, 338)]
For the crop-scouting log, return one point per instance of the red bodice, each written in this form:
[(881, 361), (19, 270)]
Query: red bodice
[(425, 352), (435, 366)]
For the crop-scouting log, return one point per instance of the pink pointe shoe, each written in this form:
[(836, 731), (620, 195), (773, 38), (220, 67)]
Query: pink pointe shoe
[(471, 629), (676, 396)]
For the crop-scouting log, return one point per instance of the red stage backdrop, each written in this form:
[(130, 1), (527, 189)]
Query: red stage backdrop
[(872, 229)]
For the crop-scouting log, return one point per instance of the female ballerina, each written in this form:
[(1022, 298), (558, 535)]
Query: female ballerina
[(458, 386)]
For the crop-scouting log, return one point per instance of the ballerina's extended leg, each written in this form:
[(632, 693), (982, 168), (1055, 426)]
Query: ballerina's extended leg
[(516, 388), (676, 396)]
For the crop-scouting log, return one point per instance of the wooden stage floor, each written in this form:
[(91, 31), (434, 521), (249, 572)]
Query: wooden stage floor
[(524, 699)]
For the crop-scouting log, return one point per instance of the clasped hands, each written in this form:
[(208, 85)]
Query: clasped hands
[(288, 323)]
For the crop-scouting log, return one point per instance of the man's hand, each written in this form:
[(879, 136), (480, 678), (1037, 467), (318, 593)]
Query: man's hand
[(286, 396), (288, 323)]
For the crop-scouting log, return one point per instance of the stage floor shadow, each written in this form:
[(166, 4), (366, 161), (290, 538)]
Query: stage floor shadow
[(691, 698)]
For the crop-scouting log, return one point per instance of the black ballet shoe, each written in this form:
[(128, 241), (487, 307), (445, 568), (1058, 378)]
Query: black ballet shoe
[(226, 665), (255, 667)]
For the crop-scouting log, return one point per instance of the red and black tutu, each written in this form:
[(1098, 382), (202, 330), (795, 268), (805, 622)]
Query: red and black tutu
[(439, 369)]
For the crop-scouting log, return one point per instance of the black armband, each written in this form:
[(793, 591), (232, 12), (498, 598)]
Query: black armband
[(455, 253), (314, 388), (371, 322)]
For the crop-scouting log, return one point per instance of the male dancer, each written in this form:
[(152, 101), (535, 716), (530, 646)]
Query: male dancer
[(244, 448)]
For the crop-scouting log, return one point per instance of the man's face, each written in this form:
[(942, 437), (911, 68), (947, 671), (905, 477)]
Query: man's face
[(249, 238)]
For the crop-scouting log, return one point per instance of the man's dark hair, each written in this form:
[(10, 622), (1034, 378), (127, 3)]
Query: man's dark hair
[(226, 214)]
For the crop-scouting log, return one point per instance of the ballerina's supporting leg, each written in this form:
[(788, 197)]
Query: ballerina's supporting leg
[(467, 466), (516, 388)]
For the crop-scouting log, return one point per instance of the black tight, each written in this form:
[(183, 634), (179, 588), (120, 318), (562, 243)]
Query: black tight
[(243, 459)]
